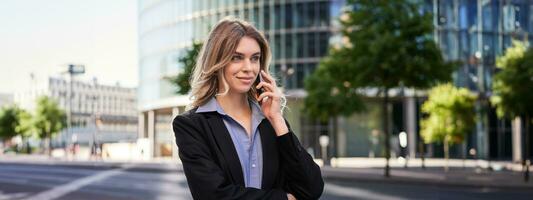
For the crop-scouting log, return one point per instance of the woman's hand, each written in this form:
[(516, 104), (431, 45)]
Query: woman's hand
[(290, 196), (270, 101)]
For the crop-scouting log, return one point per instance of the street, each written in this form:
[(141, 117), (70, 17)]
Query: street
[(40, 181), (23, 181)]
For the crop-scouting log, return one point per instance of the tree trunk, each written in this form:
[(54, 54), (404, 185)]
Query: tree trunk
[(386, 130), (526, 155), (49, 144), (420, 141), (446, 153), (335, 137)]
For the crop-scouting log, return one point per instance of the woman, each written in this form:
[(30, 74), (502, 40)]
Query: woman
[(234, 143)]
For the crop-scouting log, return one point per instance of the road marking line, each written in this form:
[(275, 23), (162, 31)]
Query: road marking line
[(357, 193), (64, 189), (12, 195)]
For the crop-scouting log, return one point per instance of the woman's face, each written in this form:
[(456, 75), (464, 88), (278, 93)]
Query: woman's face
[(242, 71)]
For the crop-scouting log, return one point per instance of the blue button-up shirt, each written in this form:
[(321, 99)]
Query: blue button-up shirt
[(248, 148)]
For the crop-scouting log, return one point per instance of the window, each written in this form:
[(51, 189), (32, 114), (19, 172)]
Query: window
[(288, 46), (323, 13), (300, 45), (310, 18), (323, 43), (277, 17), (290, 75), (288, 16), (311, 44), (299, 75), (277, 47), (266, 19), (299, 15)]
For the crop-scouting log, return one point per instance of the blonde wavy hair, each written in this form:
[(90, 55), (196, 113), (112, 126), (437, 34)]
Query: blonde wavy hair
[(216, 54)]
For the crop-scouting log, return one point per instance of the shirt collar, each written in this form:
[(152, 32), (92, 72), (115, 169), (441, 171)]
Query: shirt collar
[(213, 106)]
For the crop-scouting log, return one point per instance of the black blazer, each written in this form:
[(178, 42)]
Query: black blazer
[(213, 170)]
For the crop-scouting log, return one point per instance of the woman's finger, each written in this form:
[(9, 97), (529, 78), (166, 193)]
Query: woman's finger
[(266, 86), (268, 77), (267, 94)]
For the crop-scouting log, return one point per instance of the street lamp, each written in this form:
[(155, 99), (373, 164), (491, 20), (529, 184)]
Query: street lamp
[(72, 70)]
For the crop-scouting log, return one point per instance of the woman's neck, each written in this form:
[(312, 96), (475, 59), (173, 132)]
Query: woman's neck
[(234, 104)]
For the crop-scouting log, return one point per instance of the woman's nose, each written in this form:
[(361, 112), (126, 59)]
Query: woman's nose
[(247, 65)]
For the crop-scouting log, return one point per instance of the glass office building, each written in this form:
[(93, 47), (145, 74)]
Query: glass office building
[(476, 32), (165, 29), (299, 32)]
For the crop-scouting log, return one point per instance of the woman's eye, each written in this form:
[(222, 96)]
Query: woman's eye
[(255, 58), (235, 58)]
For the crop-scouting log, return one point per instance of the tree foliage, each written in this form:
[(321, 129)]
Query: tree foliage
[(188, 61), (327, 97), (10, 121), (513, 84), (49, 117), (451, 114), (387, 44)]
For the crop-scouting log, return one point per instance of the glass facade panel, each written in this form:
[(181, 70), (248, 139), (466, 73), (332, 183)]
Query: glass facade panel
[(323, 43), (288, 16), (300, 45), (323, 14), (311, 44), (266, 19), (289, 46), (277, 47), (299, 15), (300, 74), (277, 17)]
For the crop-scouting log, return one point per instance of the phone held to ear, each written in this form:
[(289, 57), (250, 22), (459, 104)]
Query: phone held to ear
[(257, 81)]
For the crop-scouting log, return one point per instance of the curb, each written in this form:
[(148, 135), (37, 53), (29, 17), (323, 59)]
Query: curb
[(329, 174), (135, 167)]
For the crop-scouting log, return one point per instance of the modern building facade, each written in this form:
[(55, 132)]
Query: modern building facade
[(5, 99), (300, 31), (476, 32), (165, 30), (99, 113)]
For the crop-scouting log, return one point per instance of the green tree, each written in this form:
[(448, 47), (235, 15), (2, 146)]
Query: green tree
[(188, 60), (49, 119), (512, 88), (25, 128), (451, 116), (327, 98), (14, 121), (388, 44), (9, 121)]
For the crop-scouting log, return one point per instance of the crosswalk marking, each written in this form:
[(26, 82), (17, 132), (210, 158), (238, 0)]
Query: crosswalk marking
[(64, 189)]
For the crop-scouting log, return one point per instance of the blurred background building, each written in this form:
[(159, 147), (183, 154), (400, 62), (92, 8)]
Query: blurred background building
[(100, 113), (5, 99), (299, 32)]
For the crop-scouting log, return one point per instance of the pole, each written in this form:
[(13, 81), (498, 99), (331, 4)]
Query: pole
[(526, 155), (69, 116), (385, 116)]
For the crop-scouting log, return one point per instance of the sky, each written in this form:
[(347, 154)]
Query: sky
[(43, 37)]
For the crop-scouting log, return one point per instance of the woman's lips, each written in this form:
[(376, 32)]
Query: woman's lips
[(246, 80)]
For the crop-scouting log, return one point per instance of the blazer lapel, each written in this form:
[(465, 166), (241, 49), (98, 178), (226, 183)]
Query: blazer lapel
[(270, 154), (225, 144)]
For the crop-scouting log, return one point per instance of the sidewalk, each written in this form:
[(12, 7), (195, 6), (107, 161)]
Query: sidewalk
[(461, 173), (134, 165), (468, 173)]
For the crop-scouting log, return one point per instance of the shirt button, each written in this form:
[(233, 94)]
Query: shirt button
[(253, 165)]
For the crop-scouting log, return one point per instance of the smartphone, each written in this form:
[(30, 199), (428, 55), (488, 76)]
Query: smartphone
[(257, 81)]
